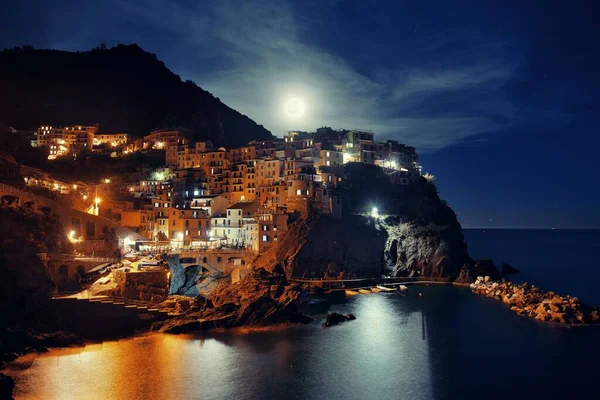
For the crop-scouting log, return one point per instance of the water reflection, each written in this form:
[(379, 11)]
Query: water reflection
[(445, 344)]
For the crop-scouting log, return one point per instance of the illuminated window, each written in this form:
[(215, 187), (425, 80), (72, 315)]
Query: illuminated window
[(299, 192), (265, 238)]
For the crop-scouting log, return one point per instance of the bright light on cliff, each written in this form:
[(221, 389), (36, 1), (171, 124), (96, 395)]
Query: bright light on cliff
[(375, 212)]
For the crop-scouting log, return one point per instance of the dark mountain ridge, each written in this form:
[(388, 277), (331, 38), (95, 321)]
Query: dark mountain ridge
[(124, 88)]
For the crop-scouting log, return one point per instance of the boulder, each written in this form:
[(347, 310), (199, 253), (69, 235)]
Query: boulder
[(336, 319)]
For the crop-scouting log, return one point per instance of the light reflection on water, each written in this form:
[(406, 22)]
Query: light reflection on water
[(447, 344), (381, 352)]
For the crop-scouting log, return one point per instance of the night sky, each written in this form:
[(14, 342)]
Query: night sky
[(500, 98)]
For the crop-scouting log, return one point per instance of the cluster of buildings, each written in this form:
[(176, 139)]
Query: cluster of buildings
[(73, 140), (245, 197), (208, 196)]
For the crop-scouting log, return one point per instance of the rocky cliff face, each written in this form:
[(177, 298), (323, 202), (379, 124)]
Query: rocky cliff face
[(416, 235), (428, 250), (341, 248), (261, 298)]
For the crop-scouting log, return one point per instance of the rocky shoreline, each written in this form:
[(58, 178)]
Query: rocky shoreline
[(261, 298), (531, 301)]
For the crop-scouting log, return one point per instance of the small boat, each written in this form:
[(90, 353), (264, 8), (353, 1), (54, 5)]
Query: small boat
[(364, 291), (375, 290), (403, 288), (351, 292), (385, 289)]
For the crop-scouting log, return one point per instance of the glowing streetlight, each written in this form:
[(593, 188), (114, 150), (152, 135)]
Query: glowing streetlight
[(74, 187), (107, 180), (375, 212), (97, 201), (85, 196)]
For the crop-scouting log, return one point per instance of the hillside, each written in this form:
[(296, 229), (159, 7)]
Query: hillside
[(124, 88)]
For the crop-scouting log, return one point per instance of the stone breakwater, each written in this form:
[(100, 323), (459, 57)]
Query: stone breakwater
[(528, 300)]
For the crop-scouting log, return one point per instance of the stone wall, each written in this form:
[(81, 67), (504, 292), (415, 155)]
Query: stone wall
[(149, 286)]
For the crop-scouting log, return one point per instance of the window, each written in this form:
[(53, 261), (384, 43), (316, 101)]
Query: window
[(299, 192), (228, 212), (195, 193), (328, 163), (328, 154), (166, 205), (274, 227), (265, 238), (219, 259), (187, 233), (156, 205), (265, 228), (275, 238), (239, 212)]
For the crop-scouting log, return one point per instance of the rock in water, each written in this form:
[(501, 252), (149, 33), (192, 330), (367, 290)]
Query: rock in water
[(337, 318), (509, 269)]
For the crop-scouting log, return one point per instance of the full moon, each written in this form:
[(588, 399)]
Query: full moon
[(295, 108)]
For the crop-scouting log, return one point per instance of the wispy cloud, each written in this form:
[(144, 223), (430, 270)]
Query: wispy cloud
[(255, 54)]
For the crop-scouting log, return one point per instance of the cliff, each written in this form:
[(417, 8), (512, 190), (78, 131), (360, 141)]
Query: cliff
[(416, 234), (124, 88)]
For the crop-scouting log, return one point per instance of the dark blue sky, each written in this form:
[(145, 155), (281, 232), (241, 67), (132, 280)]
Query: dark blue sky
[(501, 98)]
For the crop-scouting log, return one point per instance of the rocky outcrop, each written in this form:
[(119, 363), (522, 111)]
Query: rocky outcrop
[(428, 250), (337, 318), (261, 298), (340, 248), (472, 269), (415, 235), (528, 300)]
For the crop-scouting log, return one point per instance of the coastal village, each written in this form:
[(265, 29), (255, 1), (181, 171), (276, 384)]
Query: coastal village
[(207, 207), (208, 197)]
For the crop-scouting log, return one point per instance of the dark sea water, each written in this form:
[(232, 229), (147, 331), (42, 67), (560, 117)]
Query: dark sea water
[(445, 344)]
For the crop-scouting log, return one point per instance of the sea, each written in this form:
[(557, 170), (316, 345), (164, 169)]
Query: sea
[(432, 342)]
